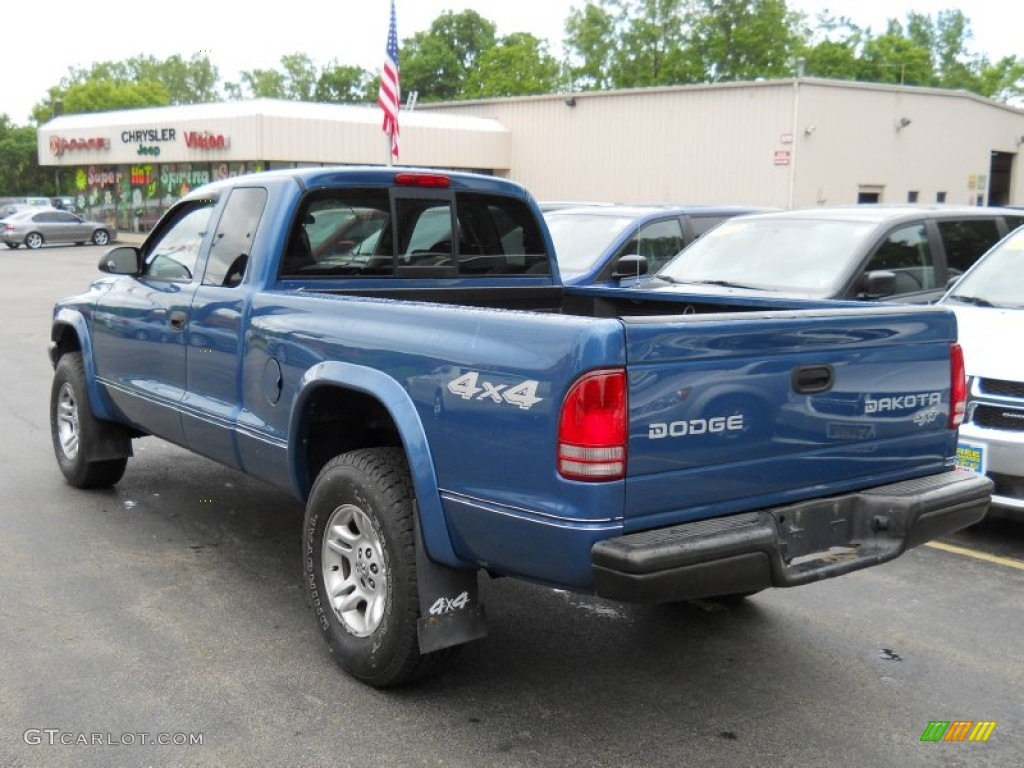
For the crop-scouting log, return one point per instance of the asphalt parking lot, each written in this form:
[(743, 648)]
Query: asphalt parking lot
[(171, 609)]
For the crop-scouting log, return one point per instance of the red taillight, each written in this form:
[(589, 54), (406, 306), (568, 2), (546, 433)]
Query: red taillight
[(592, 428), (422, 180), (957, 386)]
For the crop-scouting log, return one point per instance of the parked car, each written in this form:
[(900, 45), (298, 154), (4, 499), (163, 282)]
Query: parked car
[(35, 227), (63, 203), (905, 252), (617, 244), (558, 205), (989, 306), (9, 209)]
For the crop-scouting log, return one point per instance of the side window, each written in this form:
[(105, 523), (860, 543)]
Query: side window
[(965, 240), (657, 242), (45, 218), (229, 253), (702, 224), (65, 218), (174, 253), (906, 253)]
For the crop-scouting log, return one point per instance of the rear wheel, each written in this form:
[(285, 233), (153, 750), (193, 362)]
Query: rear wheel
[(100, 237), (360, 566), (33, 240), (12, 245), (76, 432)]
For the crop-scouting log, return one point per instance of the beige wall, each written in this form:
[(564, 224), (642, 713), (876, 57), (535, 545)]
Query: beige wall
[(780, 143)]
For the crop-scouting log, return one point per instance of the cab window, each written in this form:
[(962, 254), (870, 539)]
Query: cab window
[(229, 252), (173, 255)]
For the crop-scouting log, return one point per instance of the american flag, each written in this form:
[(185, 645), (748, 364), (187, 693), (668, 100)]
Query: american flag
[(389, 91)]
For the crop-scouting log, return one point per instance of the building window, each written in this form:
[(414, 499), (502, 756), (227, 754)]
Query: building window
[(912, 196), (940, 197), (869, 193)]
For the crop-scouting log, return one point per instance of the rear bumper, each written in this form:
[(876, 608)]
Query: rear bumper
[(789, 545)]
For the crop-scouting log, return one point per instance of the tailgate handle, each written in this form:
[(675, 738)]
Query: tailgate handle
[(812, 379)]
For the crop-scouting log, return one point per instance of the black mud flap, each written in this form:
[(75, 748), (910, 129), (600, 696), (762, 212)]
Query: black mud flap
[(450, 609)]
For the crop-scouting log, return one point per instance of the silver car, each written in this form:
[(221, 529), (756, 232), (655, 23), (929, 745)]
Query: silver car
[(49, 225), (989, 305)]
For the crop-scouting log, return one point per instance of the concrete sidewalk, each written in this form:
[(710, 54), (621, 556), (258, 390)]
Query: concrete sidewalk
[(130, 238)]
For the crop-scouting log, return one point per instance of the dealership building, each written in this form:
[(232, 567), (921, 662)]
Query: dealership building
[(791, 143)]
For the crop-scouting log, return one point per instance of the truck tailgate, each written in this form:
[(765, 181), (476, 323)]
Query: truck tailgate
[(734, 412)]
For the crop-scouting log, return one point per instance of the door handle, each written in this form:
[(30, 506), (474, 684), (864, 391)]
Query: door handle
[(813, 379), (177, 320)]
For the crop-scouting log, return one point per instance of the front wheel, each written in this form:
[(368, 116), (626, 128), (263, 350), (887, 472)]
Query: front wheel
[(33, 240), (100, 237), (76, 432), (360, 566)]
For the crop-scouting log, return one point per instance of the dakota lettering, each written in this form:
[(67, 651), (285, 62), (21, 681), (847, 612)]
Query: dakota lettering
[(901, 402)]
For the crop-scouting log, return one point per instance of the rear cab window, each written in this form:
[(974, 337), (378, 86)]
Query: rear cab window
[(357, 233)]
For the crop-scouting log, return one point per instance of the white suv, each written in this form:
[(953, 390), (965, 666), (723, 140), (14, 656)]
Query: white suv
[(989, 304)]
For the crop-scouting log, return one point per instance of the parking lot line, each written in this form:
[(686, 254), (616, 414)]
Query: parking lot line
[(1009, 562)]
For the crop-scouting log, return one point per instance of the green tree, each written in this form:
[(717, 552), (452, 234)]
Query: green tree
[(264, 83), (518, 65), (894, 58), (652, 48), (339, 84), (20, 172), (187, 81), (590, 37), (746, 39), (140, 81), (436, 63)]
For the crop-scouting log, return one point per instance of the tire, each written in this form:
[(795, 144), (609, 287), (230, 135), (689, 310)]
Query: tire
[(75, 431), (360, 567), (12, 245), (100, 237), (33, 240)]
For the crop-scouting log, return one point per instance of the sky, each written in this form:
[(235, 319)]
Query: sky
[(44, 39)]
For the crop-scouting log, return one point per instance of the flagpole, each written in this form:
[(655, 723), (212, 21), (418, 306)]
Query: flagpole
[(389, 99)]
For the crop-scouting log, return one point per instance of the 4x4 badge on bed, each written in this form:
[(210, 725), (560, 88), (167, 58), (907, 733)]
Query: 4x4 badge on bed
[(523, 395)]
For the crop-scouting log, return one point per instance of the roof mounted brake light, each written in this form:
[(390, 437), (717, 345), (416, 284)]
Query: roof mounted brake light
[(434, 180)]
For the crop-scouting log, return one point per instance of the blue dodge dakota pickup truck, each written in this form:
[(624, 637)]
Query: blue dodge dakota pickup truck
[(394, 347)]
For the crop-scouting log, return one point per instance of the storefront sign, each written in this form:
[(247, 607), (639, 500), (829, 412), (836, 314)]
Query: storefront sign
[(140, 136), (59, 145), (206, 140), (99, 176)]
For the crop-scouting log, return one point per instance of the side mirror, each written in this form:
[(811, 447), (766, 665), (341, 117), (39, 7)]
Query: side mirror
[(630, 265), (123, 260), (878, 283)]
